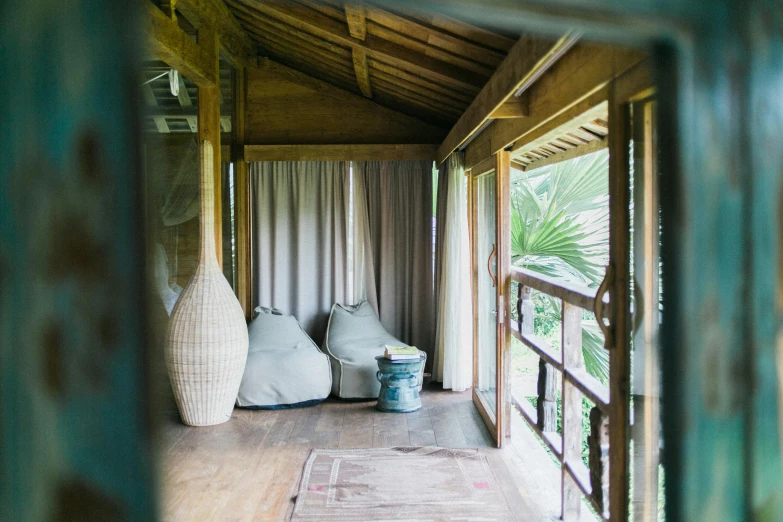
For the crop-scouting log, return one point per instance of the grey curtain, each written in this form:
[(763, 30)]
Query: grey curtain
[(400, 224), (300, 227)]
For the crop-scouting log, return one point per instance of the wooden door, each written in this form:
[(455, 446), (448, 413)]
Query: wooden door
[(491, 262)]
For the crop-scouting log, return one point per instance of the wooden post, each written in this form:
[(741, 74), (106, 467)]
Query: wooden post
[(572, 409), (547, 397), (503, 191), (525, 309), (242, 201), (598, 443), (209, 125), (619, 291)]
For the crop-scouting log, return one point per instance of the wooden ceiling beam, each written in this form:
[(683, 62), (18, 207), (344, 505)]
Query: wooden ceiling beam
[(330, 29), (355, 15), (357, 28), (339, 152), (362, 72), (525, 62), (581, 73), (514, 107), (214, 13), (167, 42)]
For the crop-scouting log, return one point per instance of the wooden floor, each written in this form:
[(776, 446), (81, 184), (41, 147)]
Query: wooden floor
[(249, 468)]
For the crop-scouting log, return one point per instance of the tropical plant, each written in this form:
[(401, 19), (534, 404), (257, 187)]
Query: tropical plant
[(560, 228)]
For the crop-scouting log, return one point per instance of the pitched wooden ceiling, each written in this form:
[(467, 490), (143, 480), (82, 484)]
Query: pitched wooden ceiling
[(416, 62)]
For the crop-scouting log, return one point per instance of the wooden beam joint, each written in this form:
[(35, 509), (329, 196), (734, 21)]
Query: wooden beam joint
[(355, 15), (362, 72)]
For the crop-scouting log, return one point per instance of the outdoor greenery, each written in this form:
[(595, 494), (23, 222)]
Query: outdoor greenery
[(560, 228)]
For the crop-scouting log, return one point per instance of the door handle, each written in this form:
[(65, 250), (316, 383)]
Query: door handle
[(598, 306), (492, 255)]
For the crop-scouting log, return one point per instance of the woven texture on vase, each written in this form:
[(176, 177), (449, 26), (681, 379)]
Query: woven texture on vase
[(206, 344)]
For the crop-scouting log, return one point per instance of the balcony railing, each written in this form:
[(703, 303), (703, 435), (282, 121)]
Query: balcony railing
[(577, 478)]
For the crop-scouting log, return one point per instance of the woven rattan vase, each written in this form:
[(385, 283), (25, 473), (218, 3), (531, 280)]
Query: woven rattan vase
[(206, 342)]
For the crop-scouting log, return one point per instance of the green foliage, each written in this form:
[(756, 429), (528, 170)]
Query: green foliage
[(586, 407), (560, 228)]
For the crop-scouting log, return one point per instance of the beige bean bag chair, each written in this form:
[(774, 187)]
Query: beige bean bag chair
[(284, 367), (354, 337)]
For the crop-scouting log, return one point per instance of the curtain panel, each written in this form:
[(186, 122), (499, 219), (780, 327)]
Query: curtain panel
[(300, 239), (398, 245), (453, 357)]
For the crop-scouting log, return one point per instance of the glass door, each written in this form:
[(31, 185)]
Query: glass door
[(486, 293), (489, 280)]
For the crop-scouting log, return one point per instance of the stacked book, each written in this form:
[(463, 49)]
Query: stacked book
[(401, 353)]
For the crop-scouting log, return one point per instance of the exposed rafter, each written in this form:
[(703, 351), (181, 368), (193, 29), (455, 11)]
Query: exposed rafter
[(322, 26), (169, 43), (151, 101), (214, 13), (356, 18), (362, 72), (526, 61)]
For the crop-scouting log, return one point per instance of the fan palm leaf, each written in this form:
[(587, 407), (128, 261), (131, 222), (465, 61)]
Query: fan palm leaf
[(559, 228)]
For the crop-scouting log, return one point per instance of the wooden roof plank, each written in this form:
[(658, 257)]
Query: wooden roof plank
[(254, 21), (338, 93), (476, 34), (322, 26), (426, 49), (447, 98), (411, 78), (435, 37)]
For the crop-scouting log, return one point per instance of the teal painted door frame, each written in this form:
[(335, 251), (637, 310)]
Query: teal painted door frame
[(76, 439)]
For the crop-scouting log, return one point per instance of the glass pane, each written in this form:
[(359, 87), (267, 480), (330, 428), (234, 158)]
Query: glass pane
[(487, 302), (171, 182)]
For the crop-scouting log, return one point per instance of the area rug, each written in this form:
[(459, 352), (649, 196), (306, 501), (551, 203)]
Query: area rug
[(400, 484)]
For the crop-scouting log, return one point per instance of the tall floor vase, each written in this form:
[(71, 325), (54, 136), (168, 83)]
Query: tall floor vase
[(206, 342)]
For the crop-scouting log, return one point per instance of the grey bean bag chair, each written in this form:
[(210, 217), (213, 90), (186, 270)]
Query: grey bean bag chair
[(284, 366), (354, 338)]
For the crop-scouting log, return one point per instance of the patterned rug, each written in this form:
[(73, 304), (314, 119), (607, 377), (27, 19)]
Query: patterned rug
[(400, 484)]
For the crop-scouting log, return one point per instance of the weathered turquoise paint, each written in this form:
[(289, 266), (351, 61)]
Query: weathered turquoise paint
[(399, 385), (75, 430), (720, 73)]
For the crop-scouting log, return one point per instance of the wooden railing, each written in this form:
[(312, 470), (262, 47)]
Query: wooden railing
[(592, 481)]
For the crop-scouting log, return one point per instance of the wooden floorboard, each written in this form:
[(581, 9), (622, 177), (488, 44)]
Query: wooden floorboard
[(249, 468)]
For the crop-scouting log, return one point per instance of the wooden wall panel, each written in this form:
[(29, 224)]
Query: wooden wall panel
[(285, 108)]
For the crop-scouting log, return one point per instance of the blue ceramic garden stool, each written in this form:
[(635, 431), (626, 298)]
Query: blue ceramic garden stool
[(399, 385)]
